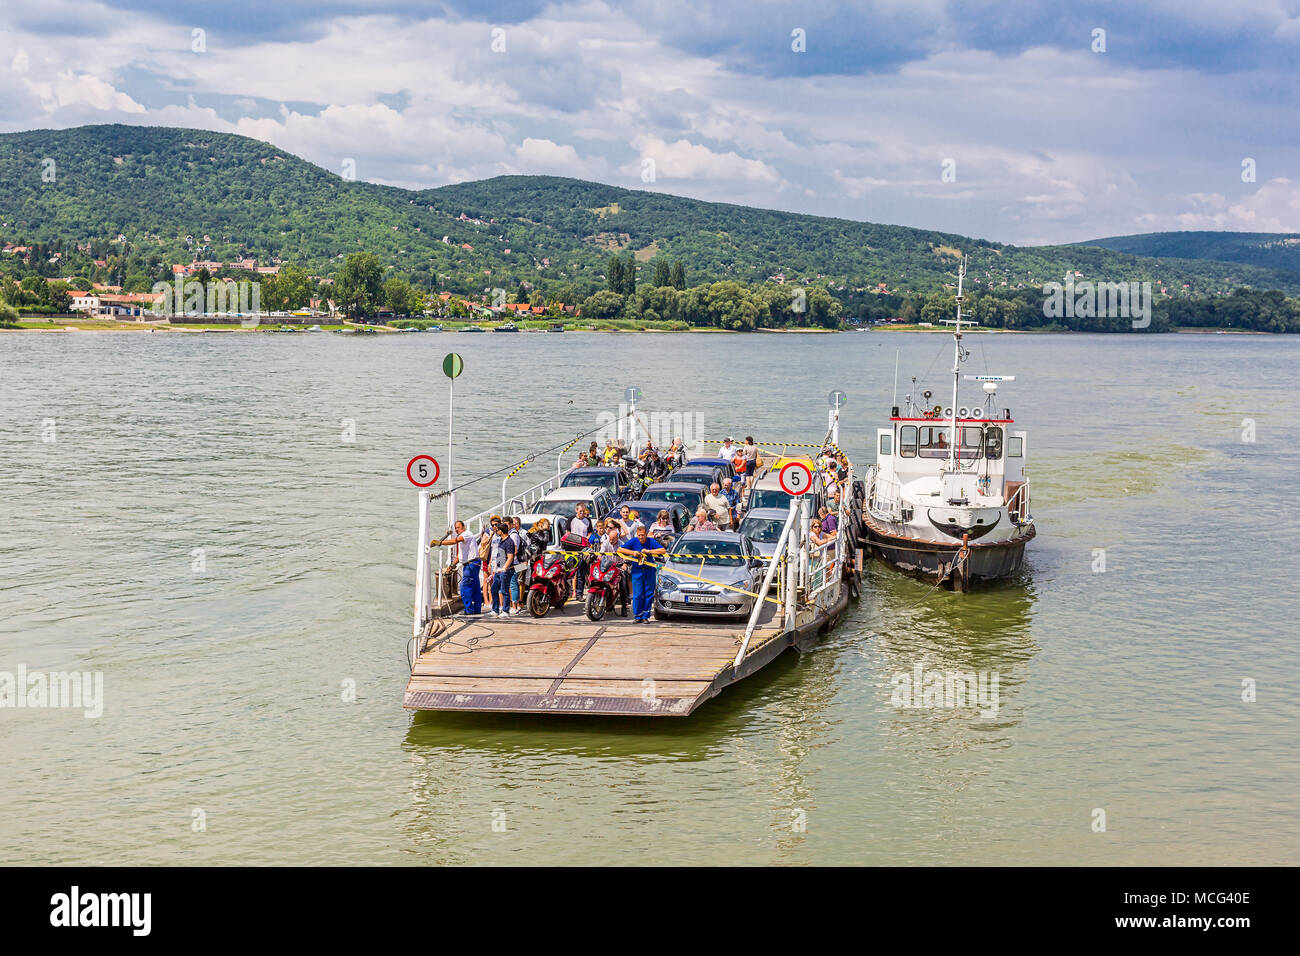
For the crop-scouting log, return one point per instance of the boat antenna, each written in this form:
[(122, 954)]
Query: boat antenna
[(956, 372), (894, 403)]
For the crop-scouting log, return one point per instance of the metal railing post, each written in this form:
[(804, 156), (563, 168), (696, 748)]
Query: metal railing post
[(421, 564), (767, 584)]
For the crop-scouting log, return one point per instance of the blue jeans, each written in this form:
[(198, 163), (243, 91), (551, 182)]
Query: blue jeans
[(643, 593), (501, 582), (471, 590)]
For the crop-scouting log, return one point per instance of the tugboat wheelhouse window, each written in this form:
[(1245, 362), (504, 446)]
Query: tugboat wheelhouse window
[(993, 443), (1015, 447), (887, 445), (934, 442), (907, 441)]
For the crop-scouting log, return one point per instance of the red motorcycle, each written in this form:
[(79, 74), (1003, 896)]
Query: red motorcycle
[(605, 586), (552, 582)]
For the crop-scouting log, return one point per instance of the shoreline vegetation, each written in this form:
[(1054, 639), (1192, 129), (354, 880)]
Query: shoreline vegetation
[(64, 324)]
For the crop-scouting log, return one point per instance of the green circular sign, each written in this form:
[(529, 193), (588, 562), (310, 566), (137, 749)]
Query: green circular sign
[(452, 365)]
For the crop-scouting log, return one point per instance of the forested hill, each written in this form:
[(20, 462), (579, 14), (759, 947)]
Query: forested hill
[(1269, 250), (178, 195)]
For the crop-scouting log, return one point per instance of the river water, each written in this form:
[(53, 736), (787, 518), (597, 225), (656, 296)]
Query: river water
[(221, 526)]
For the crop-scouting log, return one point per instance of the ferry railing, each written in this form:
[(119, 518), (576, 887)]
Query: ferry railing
[(433, 560), (823, 561), (791, 522)]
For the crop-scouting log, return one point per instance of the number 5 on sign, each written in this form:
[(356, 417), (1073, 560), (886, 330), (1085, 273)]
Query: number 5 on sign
[(422, 471), (795, 478)]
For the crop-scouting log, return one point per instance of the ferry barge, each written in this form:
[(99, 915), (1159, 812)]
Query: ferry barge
[(564, 663)]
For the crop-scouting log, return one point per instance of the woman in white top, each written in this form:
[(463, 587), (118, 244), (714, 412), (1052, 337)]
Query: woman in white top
[(661, 526)]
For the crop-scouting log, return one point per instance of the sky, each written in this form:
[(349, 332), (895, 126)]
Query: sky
[(1018, 120)]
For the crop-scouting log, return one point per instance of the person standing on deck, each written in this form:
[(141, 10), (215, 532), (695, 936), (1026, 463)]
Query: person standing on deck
[(520, 539), (751, 456), (471, 594), (732, 495), (487, 553), (719, 505), (503, 571), (582, 526), (729, 449), (641, 551)]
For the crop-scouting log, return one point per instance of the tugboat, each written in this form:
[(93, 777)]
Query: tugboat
[(948, 497), (508, 327)]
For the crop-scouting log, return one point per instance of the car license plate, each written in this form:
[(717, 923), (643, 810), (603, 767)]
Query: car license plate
[(701, 599)]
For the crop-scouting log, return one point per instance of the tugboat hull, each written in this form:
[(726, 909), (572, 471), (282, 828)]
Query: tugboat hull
[(987, 562)]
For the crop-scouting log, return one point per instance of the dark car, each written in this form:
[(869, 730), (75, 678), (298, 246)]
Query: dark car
[(728, 470), (613, 480), (678, 492), (702, 475), (647, 509)]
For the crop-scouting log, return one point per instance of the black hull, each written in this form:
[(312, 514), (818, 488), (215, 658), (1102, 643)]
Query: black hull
[(986, 563)]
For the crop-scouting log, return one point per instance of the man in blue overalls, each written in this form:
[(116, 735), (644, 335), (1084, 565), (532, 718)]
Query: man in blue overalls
[(641, 551), (471, 594)]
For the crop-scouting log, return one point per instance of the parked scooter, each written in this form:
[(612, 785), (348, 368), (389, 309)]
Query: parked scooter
[(605, 585), (552, 582)]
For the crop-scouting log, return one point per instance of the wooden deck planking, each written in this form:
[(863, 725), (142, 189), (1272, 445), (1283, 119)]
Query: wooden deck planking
[(564, 663)]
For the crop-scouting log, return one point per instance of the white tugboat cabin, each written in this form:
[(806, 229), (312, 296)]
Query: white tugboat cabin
[(948, 495)]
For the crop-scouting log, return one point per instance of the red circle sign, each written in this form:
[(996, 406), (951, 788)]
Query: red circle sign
[(422, 471), (795, 478)]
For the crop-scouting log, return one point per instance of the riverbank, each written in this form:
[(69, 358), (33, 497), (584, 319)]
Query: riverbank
[(131, 325)]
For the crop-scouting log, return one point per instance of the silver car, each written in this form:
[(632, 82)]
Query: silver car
[(717, 557), (762, 527)]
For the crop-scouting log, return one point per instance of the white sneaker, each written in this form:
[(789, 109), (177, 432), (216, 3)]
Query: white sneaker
[(507, 612)]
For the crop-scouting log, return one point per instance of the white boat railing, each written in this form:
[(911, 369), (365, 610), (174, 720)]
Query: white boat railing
[(1018, 504), (884, 495)]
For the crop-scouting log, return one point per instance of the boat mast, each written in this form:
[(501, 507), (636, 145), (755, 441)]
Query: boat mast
[(956, 373)]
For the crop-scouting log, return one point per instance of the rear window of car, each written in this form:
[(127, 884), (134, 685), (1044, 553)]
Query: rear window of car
[(578, 479), (723, 553), (768, 498), (703, 478), (691, 498)]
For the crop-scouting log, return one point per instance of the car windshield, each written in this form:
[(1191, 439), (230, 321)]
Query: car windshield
[(565, 509), (768, 498), (584, 479), (689, 498), (765, 530), (725, 553)]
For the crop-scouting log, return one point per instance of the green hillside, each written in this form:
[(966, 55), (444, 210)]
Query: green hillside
[(1268, 250), (164, 190)]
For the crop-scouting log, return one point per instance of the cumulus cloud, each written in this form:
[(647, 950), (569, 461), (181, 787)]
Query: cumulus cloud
[(1049, 141)]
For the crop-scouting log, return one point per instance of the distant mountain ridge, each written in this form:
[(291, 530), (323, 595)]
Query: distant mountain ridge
[(164, 190), (1267, 250)]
